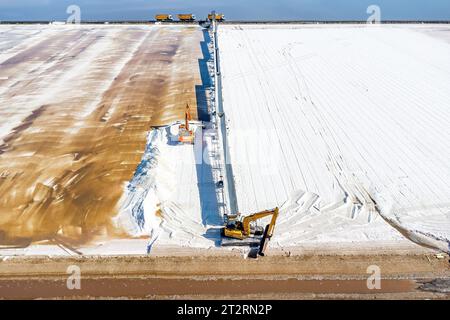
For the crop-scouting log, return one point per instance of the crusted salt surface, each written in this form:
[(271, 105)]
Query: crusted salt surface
[(359, 116), (172, 197), (175, 197), (76, 69)]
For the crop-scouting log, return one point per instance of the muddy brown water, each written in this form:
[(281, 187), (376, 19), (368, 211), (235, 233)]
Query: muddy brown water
[(147, 288), (64, 167)]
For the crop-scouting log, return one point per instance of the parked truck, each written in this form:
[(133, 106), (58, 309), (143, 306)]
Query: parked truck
[(186, 17), (163, 17), (219, 17)]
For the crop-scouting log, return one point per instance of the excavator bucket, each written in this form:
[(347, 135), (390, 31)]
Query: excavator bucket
[(264, 242)]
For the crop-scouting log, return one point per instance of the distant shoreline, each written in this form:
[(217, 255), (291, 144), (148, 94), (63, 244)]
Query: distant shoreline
[(241, 22)]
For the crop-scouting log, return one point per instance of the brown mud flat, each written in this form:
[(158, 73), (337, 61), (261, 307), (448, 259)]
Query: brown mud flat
[(273, 277), (82, 101), (166, 288)]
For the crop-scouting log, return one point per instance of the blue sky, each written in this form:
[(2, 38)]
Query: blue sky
[(233, 9)]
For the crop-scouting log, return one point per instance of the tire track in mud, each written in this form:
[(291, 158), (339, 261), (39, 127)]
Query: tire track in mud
[(64, 172)]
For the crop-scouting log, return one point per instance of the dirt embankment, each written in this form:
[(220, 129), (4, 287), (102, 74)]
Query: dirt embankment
[(84, 101)]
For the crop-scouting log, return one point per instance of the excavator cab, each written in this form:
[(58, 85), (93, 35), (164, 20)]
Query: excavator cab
[(233, 230)]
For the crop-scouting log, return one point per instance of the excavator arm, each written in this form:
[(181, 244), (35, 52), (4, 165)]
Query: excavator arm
[(272, 223), (186, 135), (257, 216), (187, 117)]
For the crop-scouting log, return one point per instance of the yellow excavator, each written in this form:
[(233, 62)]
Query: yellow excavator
[(245, 232)]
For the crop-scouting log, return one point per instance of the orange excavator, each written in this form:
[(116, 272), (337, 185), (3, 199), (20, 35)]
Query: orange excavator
[(186, 135)]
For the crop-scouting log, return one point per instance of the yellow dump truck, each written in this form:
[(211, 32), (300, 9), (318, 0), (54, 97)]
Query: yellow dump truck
[(186, 17), (219, 17), (163, 17)]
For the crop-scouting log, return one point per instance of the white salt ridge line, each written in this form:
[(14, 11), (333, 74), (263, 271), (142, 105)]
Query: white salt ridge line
[(135, 211), (158, 186), (431, 232), (240, 61), (302, 221), (432, 237), (186, 219)]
